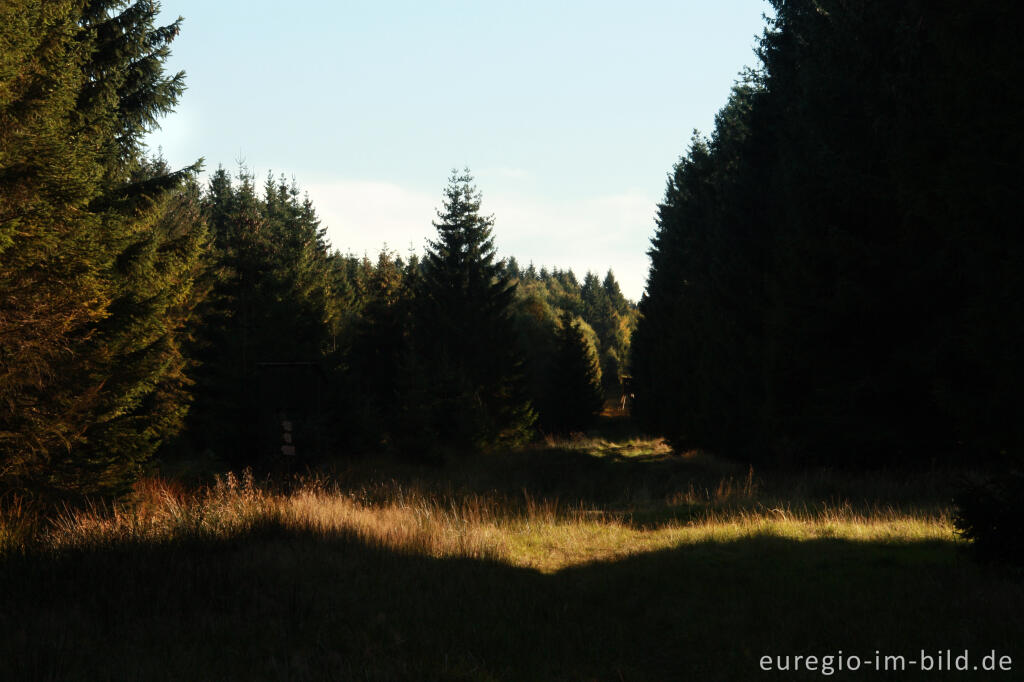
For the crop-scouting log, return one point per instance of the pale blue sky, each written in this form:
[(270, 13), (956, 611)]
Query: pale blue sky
[(569, 114)]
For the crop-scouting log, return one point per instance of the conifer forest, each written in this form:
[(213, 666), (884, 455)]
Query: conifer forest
[(230, 450)]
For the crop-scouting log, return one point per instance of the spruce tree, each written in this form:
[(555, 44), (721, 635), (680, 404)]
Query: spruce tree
[(100, 250), (593, 296), (152, 243), (51, 289), (473, 386), (614, 293), (574, 391), (512, 266)]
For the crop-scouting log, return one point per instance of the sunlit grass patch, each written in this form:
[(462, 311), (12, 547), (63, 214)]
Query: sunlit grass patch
[(598, 446), (539, 534)]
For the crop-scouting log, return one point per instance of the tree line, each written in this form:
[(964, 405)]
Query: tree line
[(144, 314), (836, 274)]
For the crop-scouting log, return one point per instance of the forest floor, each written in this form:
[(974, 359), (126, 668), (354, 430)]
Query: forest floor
[(605, 556)]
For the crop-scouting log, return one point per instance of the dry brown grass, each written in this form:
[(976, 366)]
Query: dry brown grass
[(523, 531)]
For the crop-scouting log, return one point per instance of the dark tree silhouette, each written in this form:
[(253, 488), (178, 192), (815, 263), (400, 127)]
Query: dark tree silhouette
[(574, 395), (472, 390), (835, 275)]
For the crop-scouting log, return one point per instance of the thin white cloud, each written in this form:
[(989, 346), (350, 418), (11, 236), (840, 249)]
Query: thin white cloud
[(583, 234), (362, 216)]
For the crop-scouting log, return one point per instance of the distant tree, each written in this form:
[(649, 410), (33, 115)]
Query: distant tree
[(593, 296), (563, 289), (574, 391), (412, 266), (536, 326), (614, 293), (540, 302), (512, 266), (374, 361), (474, 391), (612, 317)]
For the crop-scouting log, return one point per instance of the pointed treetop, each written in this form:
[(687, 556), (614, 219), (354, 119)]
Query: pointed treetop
[(463, 234)]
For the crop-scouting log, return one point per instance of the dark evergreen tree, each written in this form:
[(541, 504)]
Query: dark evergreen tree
[(272, 325), (593, 296), (473, 389), (614, 294), (835, 274), (896, 281), (697, 347), (50, 287), (95, 232), (512, 267), (375, 359), (141, 348), (574, 393)]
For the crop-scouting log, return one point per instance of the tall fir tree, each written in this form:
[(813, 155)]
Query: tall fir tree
[(614, 293), (51, 288), (99, 256), (152, 243), (473, 385)]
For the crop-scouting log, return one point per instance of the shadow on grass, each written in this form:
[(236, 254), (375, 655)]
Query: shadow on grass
[(590, 475), (616, 471), (274, 604)]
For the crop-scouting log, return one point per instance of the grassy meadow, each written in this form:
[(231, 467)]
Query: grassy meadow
[(599, 557)]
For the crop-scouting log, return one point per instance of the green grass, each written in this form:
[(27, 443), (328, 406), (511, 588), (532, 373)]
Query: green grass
[(592, 558)]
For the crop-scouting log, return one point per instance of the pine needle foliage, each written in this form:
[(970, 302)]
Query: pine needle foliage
[(472, 384), (99, 247)]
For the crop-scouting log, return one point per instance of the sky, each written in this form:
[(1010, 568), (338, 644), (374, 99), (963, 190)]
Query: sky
[(570, 115)]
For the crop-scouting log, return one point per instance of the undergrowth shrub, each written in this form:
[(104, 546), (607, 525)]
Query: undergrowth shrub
[(990, 513)]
